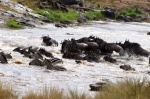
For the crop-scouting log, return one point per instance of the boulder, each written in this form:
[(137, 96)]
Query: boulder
[(109, 13), (97, 86)]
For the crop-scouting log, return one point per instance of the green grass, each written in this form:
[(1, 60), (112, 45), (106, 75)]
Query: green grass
[(56, 15), (13, 24), (94, 15), (132, 11)]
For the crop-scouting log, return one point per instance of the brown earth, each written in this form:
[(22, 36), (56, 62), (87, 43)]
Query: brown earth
[(121, 4)]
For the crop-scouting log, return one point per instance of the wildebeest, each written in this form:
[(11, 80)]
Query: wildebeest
[(36, 62), (3, 58), (67, 46), (70, 55), (46, 53), (50, 66), (49, 41), (110, 59), (91, 57), (135, 48), (110, 47), (127, 67)]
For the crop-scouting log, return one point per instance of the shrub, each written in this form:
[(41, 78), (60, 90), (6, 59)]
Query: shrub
[(13, 24)]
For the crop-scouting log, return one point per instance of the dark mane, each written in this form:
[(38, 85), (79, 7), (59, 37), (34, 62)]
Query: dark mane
[(136, 44)]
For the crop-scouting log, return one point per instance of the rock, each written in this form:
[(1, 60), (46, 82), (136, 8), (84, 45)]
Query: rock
[(109, 13), (78, 61), (124, 18), (65, 22), (46, 20), (127, 67), (148, 33), (60, 25), (97, 86)]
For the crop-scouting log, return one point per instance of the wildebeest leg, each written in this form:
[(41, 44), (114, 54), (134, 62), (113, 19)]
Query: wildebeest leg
[(122, 53)]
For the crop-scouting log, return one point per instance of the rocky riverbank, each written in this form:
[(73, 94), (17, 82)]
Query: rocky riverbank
[(23, 15)]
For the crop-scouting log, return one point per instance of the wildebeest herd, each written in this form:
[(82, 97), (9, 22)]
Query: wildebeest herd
[(90, 48)]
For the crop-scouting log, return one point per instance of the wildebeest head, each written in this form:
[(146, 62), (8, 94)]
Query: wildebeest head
[(46, 53), (65, 46), (3, 58), (45, 38)]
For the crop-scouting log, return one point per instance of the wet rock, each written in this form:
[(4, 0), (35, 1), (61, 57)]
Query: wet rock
[(65, 22), (59, 25), (26, 23), (46, 20), (109, 13), (78, 61), (97, 86), (124, 18), (127, 67)]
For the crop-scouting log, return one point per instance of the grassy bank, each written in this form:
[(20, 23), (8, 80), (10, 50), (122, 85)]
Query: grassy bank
[(13, 24), (127, 89), (56, 15), (6, 92), (132, 11), (72, 15)]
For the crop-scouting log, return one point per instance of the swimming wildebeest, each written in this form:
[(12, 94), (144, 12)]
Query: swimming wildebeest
[(36, 62), (70, 55), (50, 66), (49, 41), (108, 48), (92, 57), (135, 48), (67, 46), (127, 67), (46, 53), (3, 58), (110, 59)]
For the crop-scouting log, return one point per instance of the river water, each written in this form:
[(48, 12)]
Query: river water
[(78, 76)]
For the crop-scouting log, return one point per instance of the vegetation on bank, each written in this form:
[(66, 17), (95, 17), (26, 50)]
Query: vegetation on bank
[(13, 24), (6, 92), (57, 15), (72, 15), (127, 89), (132, 11)]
